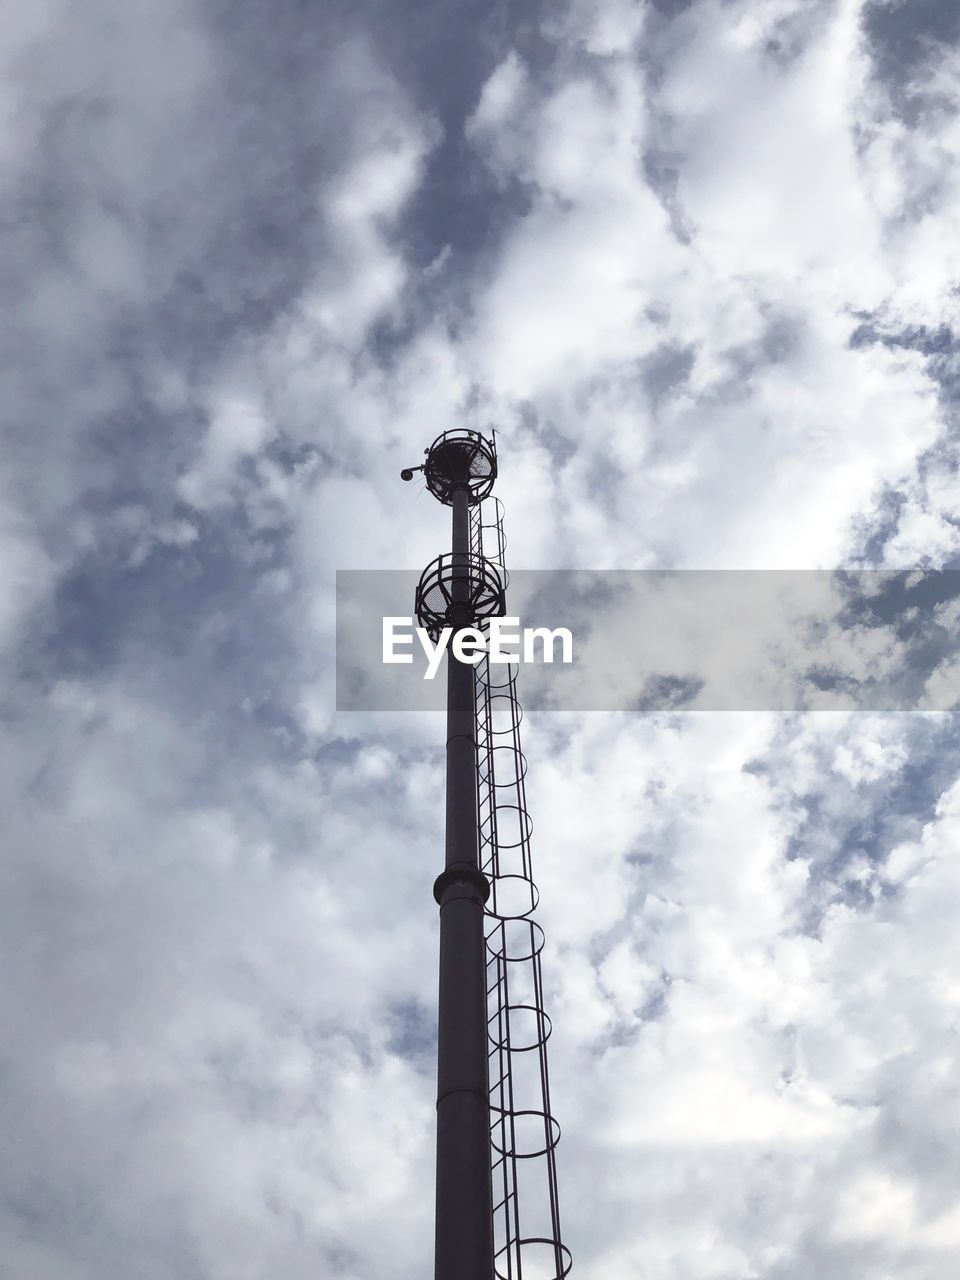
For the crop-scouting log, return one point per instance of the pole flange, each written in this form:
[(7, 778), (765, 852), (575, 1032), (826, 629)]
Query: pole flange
[(461, 873)]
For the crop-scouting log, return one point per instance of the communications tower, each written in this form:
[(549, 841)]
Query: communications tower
[(497, 1209)]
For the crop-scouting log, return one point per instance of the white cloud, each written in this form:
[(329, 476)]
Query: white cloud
[(238, 429), (766, 1084)]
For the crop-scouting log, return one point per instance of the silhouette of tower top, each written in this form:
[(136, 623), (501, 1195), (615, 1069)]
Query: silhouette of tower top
[(458, 459)]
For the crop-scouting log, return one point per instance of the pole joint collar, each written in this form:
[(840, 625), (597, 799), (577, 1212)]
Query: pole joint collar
[(462, 873)]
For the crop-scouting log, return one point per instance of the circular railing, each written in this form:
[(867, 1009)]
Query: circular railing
[(460, 459), (458, 589)]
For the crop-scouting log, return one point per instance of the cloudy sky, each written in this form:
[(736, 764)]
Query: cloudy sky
[(698, 262)]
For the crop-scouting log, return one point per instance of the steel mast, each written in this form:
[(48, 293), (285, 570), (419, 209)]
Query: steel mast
[(491, 1019)]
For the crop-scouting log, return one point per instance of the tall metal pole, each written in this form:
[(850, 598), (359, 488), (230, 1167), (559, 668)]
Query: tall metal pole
[(464, 1231), (478, 1132)]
